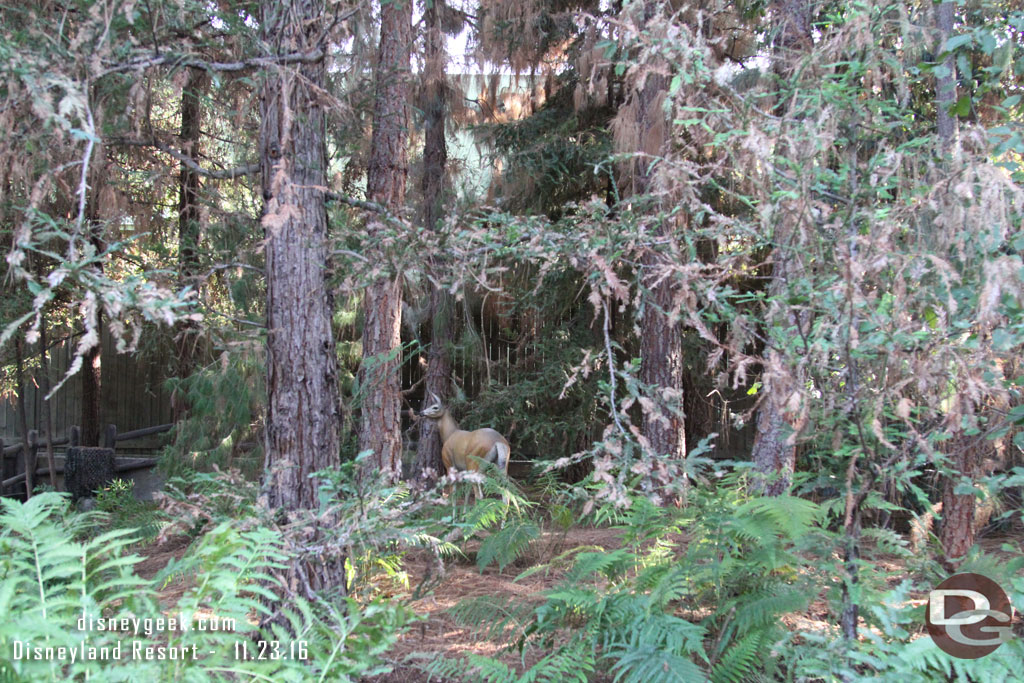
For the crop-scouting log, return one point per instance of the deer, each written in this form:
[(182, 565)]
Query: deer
[(463, 451)]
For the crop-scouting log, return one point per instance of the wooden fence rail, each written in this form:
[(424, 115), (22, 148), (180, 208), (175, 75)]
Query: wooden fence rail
[(111, 438)]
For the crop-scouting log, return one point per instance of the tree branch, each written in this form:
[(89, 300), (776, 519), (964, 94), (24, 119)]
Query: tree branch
[(182, 61), (189, 162), (358, 204)]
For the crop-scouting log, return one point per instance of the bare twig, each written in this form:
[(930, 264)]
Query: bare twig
[(611, 366), (182, 61), (189, 162)]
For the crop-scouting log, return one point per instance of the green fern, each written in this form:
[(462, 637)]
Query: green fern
[(506, 544), (610, 565), (497, 619), (645, 663), (51, 580), (573, 661), (741, 658)]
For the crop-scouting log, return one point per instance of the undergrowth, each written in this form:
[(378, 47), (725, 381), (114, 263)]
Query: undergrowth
[(713, 592)]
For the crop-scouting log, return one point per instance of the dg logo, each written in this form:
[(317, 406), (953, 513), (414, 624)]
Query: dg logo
[(969, 616)]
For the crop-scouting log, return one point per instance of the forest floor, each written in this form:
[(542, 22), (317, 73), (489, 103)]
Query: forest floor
[(437, 634)]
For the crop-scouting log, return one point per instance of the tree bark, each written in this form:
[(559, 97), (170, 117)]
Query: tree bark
[(661, 336), (946, 123), (957, 531), (46, 419), (302, 374), (661, 366), (188, 226), (774, 451), (92, 380), (428, 465), (92, 360), (28, 453), (774, 458), (380, 421)]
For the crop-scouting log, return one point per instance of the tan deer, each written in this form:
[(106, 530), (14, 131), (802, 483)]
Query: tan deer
[(463, 451)]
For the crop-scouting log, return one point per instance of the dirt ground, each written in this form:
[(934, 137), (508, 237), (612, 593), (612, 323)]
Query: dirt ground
[(438, 633)]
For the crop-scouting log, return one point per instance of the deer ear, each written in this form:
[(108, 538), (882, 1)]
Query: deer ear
[(434, 396)]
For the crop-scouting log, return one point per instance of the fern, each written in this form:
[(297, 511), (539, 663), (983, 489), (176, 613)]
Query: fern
[(741, 658), (437, 667), (506, 544), (51, 580), (789, 515), (611, 565), (645, 663), (761, 609), (493, 618), (489, 670), (572, 662)]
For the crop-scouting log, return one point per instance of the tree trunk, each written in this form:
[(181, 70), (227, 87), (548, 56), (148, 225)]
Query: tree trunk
[(380, 422), (774, 451), (302, 374), (428, 464), (46, 420), (28, 453), (661, 366), (92, 379), (92, 360), (957, 530), (661, 337), (188, 226), (946, 123), (380, 428), (774, 458)]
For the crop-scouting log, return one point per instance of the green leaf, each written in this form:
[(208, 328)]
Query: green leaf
[(958, 41), (963, 106)]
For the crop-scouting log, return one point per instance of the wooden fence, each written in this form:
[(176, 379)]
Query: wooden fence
[(132, 395)]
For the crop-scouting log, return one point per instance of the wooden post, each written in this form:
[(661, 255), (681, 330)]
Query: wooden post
[(29, 453), (76, 436), (110, 436)]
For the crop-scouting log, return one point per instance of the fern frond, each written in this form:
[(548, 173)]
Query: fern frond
[(506, 544), (790, 515), (741, 658), (646, 663), (498, 619), (764, 608), (574, 661), (611, 565), (490, 670)]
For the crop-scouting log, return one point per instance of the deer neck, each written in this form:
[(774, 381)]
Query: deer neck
[(447, 426)]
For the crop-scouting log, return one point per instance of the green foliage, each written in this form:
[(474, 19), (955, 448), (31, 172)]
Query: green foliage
[(633, 609), (192, 502), (503, 519), (225, 402), (117, 500), (51, 580), (553, 157), (506, 544), (894, 650)]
